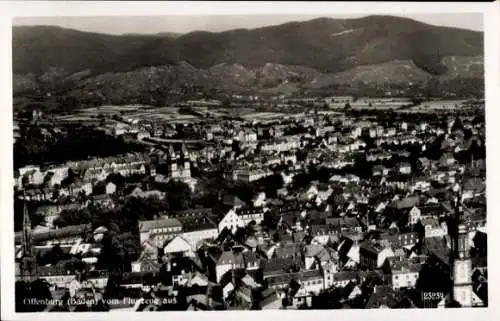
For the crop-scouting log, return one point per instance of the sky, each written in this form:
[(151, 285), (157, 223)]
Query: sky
[(216, 23)]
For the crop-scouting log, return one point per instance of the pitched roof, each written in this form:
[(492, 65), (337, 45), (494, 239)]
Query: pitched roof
[(345, 276), (274, 265), (68, 231), (228, 257), (437, 246), (145, 226), (287, 250), (406, 203), (285, 278)]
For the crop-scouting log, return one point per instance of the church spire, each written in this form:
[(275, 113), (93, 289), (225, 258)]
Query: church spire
[(26, 230), (171, 151), (28, 265), (461, 262)]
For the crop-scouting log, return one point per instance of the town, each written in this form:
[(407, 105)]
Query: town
[(313, 203)]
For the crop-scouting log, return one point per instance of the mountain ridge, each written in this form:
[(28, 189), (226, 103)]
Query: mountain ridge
[(291, 57), (378, 39)]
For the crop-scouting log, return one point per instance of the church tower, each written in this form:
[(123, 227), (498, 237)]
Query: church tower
[(28, 267), (462, 270), (172, 163), (461, 261), (185, 156)]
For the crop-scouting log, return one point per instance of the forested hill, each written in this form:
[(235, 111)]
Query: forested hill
[(327, 45)]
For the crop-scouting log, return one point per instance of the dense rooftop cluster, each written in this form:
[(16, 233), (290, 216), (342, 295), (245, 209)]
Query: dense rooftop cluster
[(314, 210)]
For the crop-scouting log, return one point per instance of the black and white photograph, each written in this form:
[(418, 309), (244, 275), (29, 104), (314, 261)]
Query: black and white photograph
[(265, 161)]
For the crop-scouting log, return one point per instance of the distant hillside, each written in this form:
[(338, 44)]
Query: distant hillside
[(288, 58), (328, 45)]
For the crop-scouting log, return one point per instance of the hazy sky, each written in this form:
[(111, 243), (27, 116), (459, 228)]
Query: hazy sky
[(184, 24)]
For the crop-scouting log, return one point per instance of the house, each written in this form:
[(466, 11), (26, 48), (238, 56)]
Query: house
[(447, 159), (404, 271), (424, 163), (57, 175), (232, 201), (227, 290), (251, 175), (198, 279), (404, 168), (314, 254), (110, 188), (414, 216), (405, 203), (270, 300), (350, 292), (259, 200), (380, 170), (178, 246), (277, 265), (421, 184), (148, 260), (139, 193), (65, 236), (196, 230), (251, 260), (433, 228), (400, 240), (344, 223), (225, 262), (303, 284), (231, 221), (250, 214), (322, 234), (143, 134), (97, 279), (77, 188), (95, 174), (287, 178), (287, 250), (341, 279), (438, 255), (282, 192), (30, 176), (372, 255), (103, 201), (384, 297), (246, 136), (159, 231), (57, 275), (348, 248), (473, 187)]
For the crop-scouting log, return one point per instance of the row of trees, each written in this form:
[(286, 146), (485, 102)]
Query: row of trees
[(35, 147)]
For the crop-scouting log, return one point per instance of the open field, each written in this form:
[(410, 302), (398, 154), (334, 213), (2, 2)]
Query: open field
[(437, 106), (262, 115)]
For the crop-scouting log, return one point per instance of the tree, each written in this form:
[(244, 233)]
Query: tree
[(74, 217), (119, 250), (362, 167), (271, 184), (236, 146), (113, 290), (53, 256), (178, 195), (301, 180), (30, 297)]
